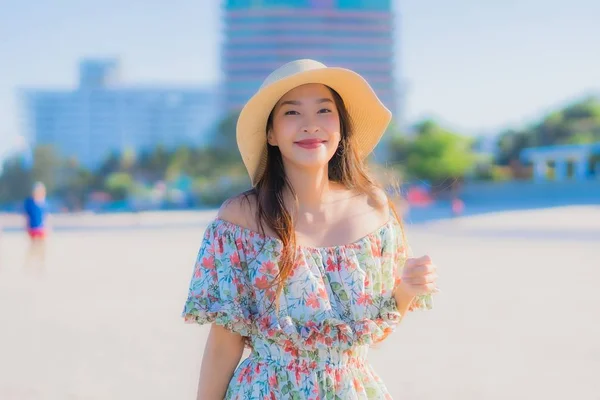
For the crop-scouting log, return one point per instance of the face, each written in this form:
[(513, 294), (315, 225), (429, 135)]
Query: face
[(306, 127), (39, 193)]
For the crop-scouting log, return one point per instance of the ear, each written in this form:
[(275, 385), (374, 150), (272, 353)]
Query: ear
[(271, 138)]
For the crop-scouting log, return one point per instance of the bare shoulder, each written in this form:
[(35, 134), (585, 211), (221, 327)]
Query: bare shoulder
[(373, 206), (377, 198), (378, 201), (240, 210)]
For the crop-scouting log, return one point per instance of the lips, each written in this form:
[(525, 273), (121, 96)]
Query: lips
[(310, 143)]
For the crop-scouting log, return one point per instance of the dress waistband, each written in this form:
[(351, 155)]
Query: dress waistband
[(291, 357)]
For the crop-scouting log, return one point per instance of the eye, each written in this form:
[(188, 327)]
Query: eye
[(291, 112), (324, 110)]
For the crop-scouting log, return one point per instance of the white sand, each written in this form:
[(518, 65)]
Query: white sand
[(518, 318)]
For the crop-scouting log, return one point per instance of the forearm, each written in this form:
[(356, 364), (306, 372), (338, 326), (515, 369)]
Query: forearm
[(222, 354), (403, 301)]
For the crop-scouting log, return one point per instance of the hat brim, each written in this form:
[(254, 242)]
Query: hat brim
[(370, 118)]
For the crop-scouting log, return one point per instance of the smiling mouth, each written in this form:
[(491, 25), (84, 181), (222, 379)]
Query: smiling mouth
[(310, 144), (310, 141)]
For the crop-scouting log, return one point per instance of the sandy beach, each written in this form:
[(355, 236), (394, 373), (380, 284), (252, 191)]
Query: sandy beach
[(518, 316)]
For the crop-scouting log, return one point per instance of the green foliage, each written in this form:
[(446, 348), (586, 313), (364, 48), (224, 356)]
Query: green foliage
[(217, 171), (490, 172), (510, 143), (119, 185), (46, 165), (433, 153), (578, 123), (75, 182), (15, 181), (214, 173), (225, 138), (127, 159)]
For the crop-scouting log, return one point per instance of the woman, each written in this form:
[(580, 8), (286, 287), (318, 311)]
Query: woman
[(308, 268)]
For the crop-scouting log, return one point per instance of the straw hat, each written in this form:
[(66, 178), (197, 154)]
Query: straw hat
[(369, 116)]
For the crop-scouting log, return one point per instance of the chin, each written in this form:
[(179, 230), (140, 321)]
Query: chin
[(307, 163), (314, 165)]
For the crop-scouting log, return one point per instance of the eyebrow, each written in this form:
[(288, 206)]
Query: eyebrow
[(297, 103)]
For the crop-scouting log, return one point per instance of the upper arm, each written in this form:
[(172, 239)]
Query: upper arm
[(222, 337), (222, 354)]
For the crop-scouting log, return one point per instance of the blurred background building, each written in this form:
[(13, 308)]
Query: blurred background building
[(102, 115), (261, 35)]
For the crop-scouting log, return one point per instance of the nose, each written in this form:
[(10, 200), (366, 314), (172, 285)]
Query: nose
[(310, 125), (310, 129)]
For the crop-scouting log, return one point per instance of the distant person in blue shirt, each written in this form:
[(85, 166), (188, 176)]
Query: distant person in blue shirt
[(36, 215)]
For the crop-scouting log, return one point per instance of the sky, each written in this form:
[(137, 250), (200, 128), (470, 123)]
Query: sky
[(476, 66)]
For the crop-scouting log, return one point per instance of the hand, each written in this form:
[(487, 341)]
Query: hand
[(418, 277)]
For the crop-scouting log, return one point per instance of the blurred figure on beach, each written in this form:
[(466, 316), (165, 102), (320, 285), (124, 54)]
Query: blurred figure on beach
[(36, 215), (419, 196), (458, 207)]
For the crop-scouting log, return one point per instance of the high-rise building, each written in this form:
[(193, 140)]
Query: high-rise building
[(261, 35), (102, 115)]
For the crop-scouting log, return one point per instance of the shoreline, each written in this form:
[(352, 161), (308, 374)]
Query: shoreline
[(89, 221), (120, 220)]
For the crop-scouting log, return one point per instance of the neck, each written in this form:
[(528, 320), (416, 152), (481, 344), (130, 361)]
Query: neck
[(311, 188)]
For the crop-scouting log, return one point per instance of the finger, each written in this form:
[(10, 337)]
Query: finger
[(425, 260), (421, 280), (419, 270), (419, 260), (410, 263), (428, 288), (425, 269)]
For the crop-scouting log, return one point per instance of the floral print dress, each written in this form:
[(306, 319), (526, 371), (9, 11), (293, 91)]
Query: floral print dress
[(336, 303)]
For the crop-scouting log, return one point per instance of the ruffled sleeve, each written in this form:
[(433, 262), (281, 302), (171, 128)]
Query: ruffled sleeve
[(219, 291)]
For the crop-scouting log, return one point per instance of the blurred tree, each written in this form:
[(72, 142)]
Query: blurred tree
[(398, 150), (15, 181), (222, 158), (109, 165), (179, 162), (119, 185), (510, 143), (154, 163), (127, 159), (225, 138), (74, 185), (436, 154), (577, 123), (46, 167)]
